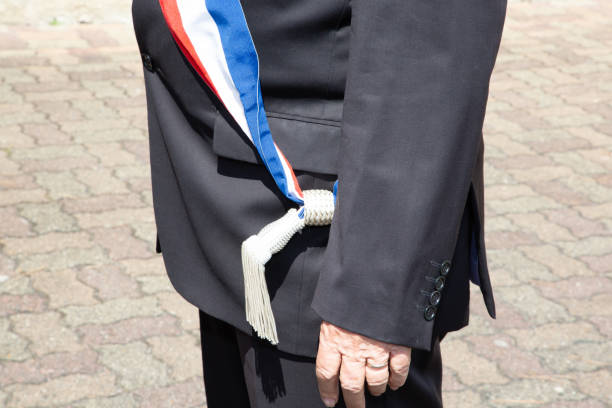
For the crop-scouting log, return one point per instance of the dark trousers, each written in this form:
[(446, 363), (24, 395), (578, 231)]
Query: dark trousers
[(244, 371)]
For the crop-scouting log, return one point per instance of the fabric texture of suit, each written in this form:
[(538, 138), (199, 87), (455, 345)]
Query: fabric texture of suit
[(387, 96)]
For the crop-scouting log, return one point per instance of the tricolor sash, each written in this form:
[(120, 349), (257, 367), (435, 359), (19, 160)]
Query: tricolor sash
[(215, 38)]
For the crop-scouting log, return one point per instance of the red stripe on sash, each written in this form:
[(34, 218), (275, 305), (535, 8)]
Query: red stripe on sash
[(295, 182), (175, 23)]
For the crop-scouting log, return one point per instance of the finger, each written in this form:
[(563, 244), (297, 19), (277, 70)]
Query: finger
[(399, 364), (377, 377), (327, 372), (352, 379)]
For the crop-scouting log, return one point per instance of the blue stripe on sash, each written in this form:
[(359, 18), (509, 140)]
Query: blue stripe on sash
[(243, 64)]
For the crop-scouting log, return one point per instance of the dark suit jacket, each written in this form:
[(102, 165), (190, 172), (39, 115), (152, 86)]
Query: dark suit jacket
[(389, 97)]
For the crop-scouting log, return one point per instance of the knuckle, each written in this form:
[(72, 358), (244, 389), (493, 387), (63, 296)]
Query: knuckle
[(378, 378), (352, 388), (400, 371), (377, 383), (398, 361), (324, 373)]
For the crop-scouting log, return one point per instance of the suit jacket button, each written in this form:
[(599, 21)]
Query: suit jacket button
[(147, 62), (435, 297), (445, 268), (439, 282), (430, 312)]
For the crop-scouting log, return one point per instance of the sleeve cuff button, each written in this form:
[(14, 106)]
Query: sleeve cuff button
[(430, 313), (434, 298), (439, 282), (445, 268)]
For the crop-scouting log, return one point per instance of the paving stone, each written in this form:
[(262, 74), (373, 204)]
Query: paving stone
[(596, 211), (139, 267), (59, 111), (512, 267), (582, 356), (62, 288), (590, 403), (134, 365), (62, 259), (12, 346), (599, 263), (61, 390), (124, 400), (180, 353), (12, 224), (597, 384), (134, 171), (47, 217), (46, 134), (111, 154), (146, 231), (102, 203), (554, 335), (538, 225), (187, 394), (30, 302), (457, 355), (450, 382), (511, 361), (504, 239), (532, 305), (61, 185), (61, 164), (105, 136), (588, 186), (523, 205), (578, 225), (101, 181), (17, 181), (47, 152), (463, 399), (532, 392), (7, 267), (11, 136), (154, 284), (46, 332), (120, 243), (177, 306), (538, 175), (558, 263), (15, 285), (111, 311), (114, 218), (590, 246), (98, 278), (46, 242), (129, 330), (575, 287), (49, 366), (596, 305)]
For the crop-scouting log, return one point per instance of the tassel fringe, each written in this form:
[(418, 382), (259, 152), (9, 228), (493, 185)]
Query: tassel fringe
[(257, 250)]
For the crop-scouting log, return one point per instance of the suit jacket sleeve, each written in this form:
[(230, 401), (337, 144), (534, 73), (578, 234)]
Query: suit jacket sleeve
[(415, 99)]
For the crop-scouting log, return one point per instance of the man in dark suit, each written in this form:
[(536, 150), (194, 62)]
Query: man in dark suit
[(388, 97)]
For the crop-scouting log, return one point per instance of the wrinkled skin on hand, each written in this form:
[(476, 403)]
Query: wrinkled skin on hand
[(342, 356)]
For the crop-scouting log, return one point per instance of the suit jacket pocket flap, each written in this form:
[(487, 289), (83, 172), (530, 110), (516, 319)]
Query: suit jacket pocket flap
[(308, 146)]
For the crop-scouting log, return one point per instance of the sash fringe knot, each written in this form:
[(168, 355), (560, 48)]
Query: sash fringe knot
[(257, 250)]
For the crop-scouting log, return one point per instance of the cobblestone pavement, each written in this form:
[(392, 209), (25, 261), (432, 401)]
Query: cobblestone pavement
[(88, 317)]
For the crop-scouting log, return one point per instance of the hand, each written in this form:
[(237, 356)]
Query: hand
[(354, 359)]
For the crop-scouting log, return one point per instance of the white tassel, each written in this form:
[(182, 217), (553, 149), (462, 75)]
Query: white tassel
[(257, 250)]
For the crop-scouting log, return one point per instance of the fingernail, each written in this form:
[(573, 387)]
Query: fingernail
[(329, 403)]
